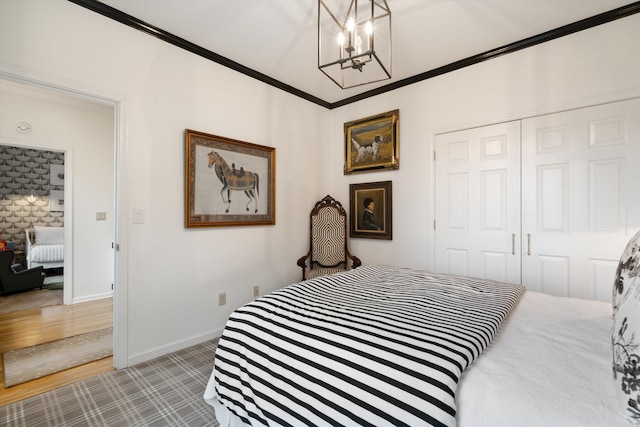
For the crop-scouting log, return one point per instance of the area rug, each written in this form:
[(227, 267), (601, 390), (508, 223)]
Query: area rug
[(30, 299), (56, 281), (53, 285), (26, 364), (166, 391)]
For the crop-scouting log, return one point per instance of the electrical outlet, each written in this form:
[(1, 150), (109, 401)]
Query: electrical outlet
[(222, 298), (256, 291)]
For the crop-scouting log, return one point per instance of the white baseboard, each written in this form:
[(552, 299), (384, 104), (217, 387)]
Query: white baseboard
[(93, 297), (173, 346)]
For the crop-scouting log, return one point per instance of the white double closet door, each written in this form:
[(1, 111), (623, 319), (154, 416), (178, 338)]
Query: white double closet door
[(549, 201)]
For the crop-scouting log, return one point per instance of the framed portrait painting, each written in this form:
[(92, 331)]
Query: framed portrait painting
[(372, 143), (228, 182), (370, 208)]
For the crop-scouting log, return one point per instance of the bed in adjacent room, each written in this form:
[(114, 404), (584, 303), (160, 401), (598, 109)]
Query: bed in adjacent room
[(44, 246), (383, 345)]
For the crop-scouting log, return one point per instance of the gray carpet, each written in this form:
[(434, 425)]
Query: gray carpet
[(166, 391)]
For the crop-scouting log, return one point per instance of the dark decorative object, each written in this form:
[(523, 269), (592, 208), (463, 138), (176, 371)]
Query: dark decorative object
[(625, 341), (354, 41), (15, 281), (328, 251), (228, 182), (370, 207)]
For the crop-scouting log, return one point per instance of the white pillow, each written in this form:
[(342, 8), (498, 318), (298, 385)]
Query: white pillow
[(49, 235)]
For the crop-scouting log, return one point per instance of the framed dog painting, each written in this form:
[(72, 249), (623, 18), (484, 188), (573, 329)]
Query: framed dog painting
[(372, 143)]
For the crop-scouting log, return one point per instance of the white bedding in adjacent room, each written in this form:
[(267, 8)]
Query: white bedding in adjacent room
[(550, 365), (44, 246), (46, 253)]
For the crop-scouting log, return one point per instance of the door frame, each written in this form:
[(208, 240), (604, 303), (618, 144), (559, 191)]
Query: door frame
[(118, 102)]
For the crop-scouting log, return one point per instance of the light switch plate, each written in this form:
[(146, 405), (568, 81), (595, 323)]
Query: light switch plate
[(138, 216)]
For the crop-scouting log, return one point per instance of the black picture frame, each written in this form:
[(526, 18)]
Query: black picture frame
[(375, 223)]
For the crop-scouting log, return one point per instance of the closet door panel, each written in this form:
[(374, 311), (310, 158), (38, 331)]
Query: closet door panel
[(553, 272), (553, 197), (477, 202), (580, 198)]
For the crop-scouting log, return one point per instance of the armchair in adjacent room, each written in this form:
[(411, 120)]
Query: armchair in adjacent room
[(328, 251), (15, 281)]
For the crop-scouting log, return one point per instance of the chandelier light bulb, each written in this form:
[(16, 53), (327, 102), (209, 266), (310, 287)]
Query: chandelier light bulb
[(368, 28), (341, 39), (350, 24)]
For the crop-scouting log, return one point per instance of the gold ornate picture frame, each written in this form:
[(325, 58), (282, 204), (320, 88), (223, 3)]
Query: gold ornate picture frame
[(228, 182), (370, 210), (372, 143)]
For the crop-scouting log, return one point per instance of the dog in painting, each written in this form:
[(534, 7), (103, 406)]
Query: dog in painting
[(373, 148)]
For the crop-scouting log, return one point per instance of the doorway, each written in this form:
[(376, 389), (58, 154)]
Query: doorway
[(91, 200)]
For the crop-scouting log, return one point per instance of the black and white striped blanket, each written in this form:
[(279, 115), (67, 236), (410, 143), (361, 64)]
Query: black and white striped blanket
[(378, 345)]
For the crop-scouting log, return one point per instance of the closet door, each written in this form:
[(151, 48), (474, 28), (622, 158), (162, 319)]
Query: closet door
[(581, 200), (477, 202)]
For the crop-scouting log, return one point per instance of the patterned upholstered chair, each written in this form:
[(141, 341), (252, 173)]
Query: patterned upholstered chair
[(328, 252)]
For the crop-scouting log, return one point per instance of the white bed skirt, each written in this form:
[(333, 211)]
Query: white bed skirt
[(223, 415)]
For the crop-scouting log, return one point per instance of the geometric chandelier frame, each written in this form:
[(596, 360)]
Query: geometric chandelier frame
[(354, 41)]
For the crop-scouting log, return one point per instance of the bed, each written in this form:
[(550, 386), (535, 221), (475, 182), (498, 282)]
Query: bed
[(383, 345), (44, 246)]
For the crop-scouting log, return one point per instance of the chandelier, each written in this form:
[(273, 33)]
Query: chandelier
[(354, 41)]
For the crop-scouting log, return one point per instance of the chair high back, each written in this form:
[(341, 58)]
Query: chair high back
[(328, 252), (328, 232)]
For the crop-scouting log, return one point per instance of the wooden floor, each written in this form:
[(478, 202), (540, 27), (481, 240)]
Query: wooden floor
[(30, 327)]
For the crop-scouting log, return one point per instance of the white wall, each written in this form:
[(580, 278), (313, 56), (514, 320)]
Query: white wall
[(599, 65), (85, 133), (174, 275)]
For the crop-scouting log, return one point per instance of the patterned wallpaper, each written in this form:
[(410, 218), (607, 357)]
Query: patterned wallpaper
[(22, 171)]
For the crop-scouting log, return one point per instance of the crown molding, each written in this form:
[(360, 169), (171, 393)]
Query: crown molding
[(159, 33), (562, 31)]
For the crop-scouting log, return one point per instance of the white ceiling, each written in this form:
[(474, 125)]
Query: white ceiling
[(279, 37)]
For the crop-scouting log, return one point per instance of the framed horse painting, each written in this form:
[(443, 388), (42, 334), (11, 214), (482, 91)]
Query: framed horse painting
[(228, 182)]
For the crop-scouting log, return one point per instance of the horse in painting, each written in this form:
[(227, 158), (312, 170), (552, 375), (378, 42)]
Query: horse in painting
[(236, 180)]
